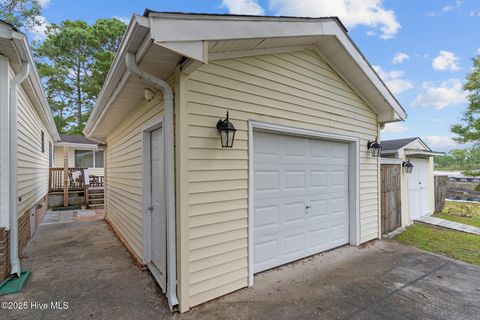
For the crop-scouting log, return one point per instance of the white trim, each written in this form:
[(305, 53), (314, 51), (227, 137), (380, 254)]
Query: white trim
[(4, 143), (354, 178), (79, 146), (391, 161)]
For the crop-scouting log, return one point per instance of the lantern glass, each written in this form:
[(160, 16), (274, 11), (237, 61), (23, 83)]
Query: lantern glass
[(408, 167), (227, 132), (374, 148)]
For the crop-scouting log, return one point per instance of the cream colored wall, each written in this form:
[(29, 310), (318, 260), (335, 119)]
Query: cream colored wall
[(431, 179), (123, 171), (295, 89), (32, 163), (58, 156)]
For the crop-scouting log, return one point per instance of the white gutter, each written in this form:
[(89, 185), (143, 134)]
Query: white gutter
[(132, 67), (15, 82)]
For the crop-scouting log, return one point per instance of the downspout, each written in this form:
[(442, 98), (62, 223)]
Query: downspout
[(133, 68), (16, 81)]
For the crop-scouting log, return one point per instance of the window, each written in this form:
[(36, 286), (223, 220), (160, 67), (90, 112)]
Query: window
[(43, 142), (83, 158), (99, 159), (88, 159), (50, 154)]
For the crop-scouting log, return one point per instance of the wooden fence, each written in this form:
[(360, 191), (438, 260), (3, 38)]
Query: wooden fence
[(390, 189), (440, 192)]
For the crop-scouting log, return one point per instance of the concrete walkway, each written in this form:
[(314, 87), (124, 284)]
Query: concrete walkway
[(85, 265), (449, 224)]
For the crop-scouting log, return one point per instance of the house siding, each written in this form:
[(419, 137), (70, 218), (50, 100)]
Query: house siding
[(58, 161), (33, 164), (294, 89), (124, 175)]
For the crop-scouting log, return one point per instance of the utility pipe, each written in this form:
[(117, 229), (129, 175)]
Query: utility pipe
[(133, 68), (14, 83)]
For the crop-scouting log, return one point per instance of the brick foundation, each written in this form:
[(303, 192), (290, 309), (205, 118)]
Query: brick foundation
[(4, 254), (37, 212)]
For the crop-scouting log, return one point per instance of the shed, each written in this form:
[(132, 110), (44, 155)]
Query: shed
[(299, 178), (417, 187)]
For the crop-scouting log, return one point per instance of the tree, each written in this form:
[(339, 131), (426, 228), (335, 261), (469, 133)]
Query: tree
[(469, 131), (73, 62), (21, 13)]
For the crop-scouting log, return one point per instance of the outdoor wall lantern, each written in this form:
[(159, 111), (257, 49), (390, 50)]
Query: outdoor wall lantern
[(374, 148), (407, 166), (227, 132)]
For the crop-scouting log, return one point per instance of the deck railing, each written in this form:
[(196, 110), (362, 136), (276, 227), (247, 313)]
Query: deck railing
[(96, 181), (76, 179)]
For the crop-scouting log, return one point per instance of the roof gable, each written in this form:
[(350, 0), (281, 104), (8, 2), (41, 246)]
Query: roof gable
[(405, 143), (186, 41)]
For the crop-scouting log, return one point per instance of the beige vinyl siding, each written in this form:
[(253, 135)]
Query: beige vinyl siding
[(71, 161), (294, 89), (32, 163), (123, 171)]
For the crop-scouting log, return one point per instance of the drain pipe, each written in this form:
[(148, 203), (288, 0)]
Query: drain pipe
[(133, 68), (14, 83)]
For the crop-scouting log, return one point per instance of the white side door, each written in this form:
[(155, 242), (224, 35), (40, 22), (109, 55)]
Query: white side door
[(157, 208), (418, 188)]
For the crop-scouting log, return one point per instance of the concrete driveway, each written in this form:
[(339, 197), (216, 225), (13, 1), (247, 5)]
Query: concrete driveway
[(84, 264)]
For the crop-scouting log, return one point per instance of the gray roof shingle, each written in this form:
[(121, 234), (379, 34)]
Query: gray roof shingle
[(396, 144), (77, 138)]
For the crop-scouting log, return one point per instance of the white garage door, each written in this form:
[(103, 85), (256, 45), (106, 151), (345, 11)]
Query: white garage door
[(300, 198)]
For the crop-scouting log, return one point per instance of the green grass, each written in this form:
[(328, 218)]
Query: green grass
[(466, 213), (453, 244)]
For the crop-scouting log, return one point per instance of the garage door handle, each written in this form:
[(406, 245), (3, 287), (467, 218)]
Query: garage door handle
[(150, 208)]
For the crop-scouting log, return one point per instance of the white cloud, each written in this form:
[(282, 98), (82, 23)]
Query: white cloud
[(453, 6), (394, 79), (125, 20), (445, 60), (441, 96), (400, 57), (450, 7), (352, 13), (44, 3), (475, 13), (395, 127), (243, 7), (39, 32), (439, 141)]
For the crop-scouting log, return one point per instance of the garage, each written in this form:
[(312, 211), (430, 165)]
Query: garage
[(300, 197)]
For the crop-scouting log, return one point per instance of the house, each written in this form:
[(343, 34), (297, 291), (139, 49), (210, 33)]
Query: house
[(80, 153), (417, 186), (27, 135), (299, 178)]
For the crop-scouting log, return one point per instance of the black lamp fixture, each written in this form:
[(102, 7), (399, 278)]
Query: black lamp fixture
[(227, 132), (407, 166), (374, 148)]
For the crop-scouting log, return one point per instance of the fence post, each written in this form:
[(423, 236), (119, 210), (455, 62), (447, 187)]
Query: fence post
[(440, 192)]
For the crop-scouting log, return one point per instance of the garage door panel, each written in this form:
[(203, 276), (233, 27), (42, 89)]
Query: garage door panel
[(301, 207)]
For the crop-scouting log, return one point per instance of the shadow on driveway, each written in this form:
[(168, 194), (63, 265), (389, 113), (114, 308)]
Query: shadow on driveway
[(84, 264)]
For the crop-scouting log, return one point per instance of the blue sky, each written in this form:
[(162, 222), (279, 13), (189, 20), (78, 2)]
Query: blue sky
[(422, 49)]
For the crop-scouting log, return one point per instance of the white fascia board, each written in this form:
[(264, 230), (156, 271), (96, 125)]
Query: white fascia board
[(193, 28), (82, 146), (22, 48), (413, 152), (135, 36), (196, 50)]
